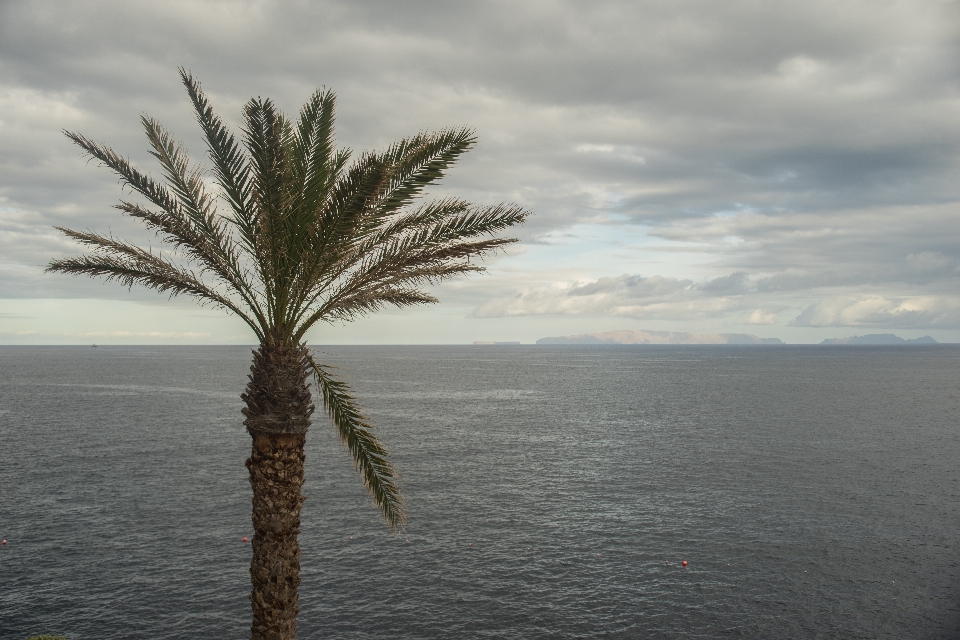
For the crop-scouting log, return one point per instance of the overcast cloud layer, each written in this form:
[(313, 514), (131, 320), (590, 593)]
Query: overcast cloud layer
[(784, 169)]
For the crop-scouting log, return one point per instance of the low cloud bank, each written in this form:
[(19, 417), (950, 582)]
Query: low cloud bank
[(659, 337), (735, 297), (879, 339), (632, 296), (880, 311)]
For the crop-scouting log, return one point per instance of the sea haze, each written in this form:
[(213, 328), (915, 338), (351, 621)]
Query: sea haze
[(812, 490)]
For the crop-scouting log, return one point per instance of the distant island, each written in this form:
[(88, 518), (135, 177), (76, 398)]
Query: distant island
[(879, 338), (494, 343), (659, 337)]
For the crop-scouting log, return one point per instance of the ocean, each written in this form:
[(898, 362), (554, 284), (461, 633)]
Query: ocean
[(553, 492)]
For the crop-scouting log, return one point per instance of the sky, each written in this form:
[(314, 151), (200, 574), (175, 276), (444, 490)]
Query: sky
[(782, 169)]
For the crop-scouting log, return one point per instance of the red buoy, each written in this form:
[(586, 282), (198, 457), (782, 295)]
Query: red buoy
[(684, 563), (4, 542), (244, 538)]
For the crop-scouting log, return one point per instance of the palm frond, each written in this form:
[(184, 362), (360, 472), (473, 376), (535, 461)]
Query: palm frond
[(352, 198), (369, 454), (432, 253), (182, 235), (268, 136), (187, 183), (339, 304), (426, 214), (370, 300), (325, 267), (209, 242), (316, 167), (129, 265), (334, 239), (378, 185), (191, 227), (435, 234), (436, 237), (317, 162), (418, 162), (231, 168), (140, 182)]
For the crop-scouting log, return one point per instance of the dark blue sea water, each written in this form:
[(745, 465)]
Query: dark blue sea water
[(814, 492)]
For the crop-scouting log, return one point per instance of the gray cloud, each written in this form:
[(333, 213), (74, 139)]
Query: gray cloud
[(630, 296), (666, 298), (807, 152), (876, 311)]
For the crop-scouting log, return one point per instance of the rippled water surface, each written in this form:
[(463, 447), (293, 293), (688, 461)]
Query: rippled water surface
[(814, 492)]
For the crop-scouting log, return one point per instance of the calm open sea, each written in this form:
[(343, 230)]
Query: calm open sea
[(814, 492)]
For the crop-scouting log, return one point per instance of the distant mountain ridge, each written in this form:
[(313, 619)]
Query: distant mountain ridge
[(659, 337), (880, 338)]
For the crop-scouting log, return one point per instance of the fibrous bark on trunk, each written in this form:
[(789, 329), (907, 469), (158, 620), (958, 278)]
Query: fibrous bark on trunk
[(278, 396), (277, 417)]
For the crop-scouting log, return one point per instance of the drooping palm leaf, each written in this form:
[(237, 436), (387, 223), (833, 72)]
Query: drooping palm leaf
[(368, 453)]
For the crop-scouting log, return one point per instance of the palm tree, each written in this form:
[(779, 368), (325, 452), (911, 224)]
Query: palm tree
[(308, 237)]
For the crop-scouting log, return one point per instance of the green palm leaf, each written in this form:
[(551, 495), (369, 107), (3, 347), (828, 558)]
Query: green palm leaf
[(368, 453)]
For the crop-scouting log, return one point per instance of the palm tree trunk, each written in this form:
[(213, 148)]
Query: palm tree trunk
[(278, 415)]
